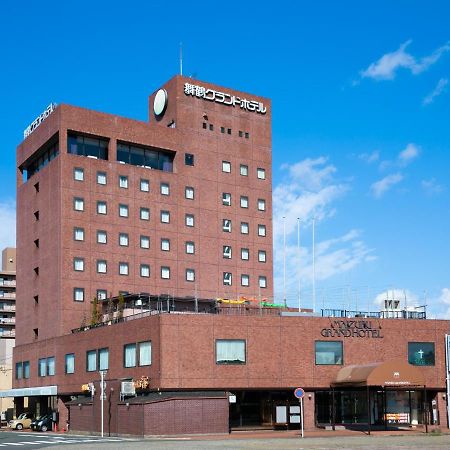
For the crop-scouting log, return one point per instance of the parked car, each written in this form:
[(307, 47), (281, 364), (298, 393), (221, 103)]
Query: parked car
[(42, 423), (23, 421)]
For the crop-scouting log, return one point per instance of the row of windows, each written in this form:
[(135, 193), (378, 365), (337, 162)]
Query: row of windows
[(225, 130), (243, 170), (243, 201)]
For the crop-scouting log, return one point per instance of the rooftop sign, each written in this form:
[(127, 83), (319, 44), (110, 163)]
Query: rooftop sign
[(222, 97), (39, 119)]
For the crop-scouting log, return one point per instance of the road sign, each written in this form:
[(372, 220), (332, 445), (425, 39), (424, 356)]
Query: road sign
[(299, 392)]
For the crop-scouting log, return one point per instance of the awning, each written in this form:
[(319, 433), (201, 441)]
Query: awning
[(395, 373), (29, 392)]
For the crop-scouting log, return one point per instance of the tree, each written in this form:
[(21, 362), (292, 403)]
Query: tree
[(110, 308), (120, 306), (95, 314)]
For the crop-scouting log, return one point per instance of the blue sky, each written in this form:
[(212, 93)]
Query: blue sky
[(361, 106)]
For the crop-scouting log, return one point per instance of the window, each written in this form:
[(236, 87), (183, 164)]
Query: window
[(244, 170), (149, 157), (42, 367), (190, 248), (78, 174), (123, 210), (145, 185), (129, 355), (103, 359), (229, 130), (101, 237), (101, 207), (261, 173), (226, 199), (188, 159), (69, 365), (145, 270), (145, 353), (78, 264), (244, 201), (190, 275), (227, 251), (211, 127), (145, 242), (144, 214), (165, 189), (226, 225), (189, 220), (244, 254), (101, 294), (123, 268), (123, 181), (26, 369), (189, 193), (262, 256), (51, 366), (421, 353), (222, 129), (87, 146), (78, 205), (226, 166), (91, 360), (101, 266), (247, 135), (329, 353), (244, 228), (261, 230), (123, 239), (230, 351), (78, 294), (204, 125), (101, 178), (245, 280), (19, 371), (262, 282), (78, 234), (165, 273), (165, 245), (227, 278), (165, 216), (241, 133), (261, 204)]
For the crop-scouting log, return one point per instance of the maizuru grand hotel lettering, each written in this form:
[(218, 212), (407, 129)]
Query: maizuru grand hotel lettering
[(221, 97), (352, 328)]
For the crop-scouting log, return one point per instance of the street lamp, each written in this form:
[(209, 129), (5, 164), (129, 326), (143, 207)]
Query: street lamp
[(102, 394)]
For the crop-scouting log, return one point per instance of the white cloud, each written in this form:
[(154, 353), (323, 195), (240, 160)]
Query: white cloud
[(370, 158), (380, 187), (431, 186), (408, 300), (387, 66), (440, 88), (443, 301), (7, 224), (410, 153)]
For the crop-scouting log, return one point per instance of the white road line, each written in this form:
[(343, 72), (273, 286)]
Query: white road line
[(12, 443)]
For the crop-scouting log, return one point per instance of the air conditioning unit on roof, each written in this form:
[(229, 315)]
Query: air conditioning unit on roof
[(127, 388)]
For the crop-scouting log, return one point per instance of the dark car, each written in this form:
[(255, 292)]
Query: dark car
[(42, 423)]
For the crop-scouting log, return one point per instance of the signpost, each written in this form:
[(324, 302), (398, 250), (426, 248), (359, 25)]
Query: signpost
[(300, 393)]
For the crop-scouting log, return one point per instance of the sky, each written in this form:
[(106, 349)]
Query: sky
[(360, 120)]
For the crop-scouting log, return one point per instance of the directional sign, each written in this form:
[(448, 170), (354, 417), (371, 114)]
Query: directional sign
[(299, 392)]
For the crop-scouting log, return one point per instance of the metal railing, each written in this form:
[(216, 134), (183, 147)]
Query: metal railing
[(402, 314)]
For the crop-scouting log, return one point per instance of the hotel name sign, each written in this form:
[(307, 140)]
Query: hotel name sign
[(222, 97), (352, 328), (39, 119)]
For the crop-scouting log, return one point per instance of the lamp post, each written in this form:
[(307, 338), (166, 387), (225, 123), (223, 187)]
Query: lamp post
[(102, 396)]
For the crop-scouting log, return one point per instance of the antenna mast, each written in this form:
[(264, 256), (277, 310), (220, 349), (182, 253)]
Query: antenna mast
[(181, 58)]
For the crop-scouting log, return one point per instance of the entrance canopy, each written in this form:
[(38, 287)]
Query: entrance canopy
[(28, 392), (395, 373)]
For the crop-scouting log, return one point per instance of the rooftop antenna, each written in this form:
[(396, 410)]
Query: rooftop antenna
[(181, 58), (314, 262)]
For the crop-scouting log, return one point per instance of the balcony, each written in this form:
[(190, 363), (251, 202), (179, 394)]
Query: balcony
[(8, 283), (7, 333), (7, 320)]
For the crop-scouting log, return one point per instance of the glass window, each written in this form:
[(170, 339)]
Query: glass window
[(101, 237), (244, 170), (244, 201), (145, 270), (244, 228), (102, 294), (261, 173), (78, 234), (78, 174), (261, 230), (190, 248), (190, 275), (78, 264), (69, 366), (421, 353), (78, 204), (245, 254), (165, 189), (226, 225), (42, 367), (261, 204), (329, 353), (189, 193), (144, 214), (123, 210), (129, 355), (262, 282), (226, 166), (145, 242), (123, 181), (222, 129), (262, 256), (51, 366), (165, 273), (101, 207), (103, 359), (78, 294), (145, 185), (165, 245), (245, 280), (87, 146), (227, 278), (189, 220), (188, 159), (149, 157), (165, 216), (226, 199), (230, 351), (101, 266), (26, 369), (145, 353), (91, 360), (123, 239), (247, 135), (227, 251), (123, 268), (19, 371), (101, 177)]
